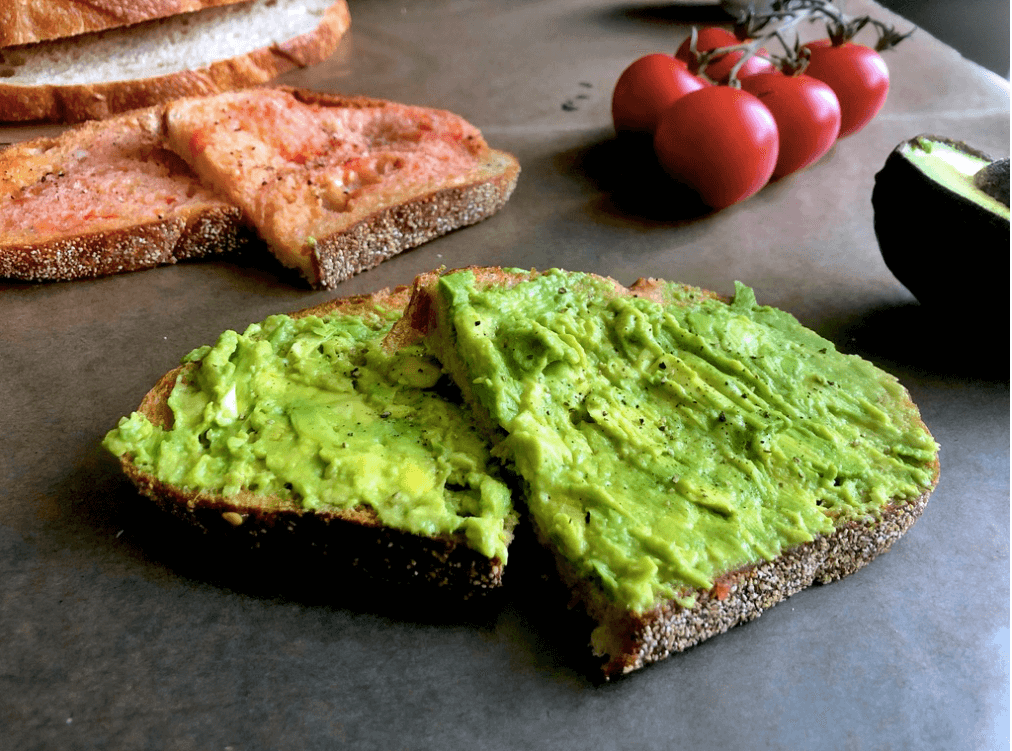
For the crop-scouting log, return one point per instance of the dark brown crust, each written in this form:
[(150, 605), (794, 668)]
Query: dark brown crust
[(742, 595), (26, 23), (634, 640), (355, 535), (72, 104), (197, 234), (394, 229)]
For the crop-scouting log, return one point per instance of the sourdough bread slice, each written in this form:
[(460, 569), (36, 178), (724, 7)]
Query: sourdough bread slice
[(335, 185), (689, 461), (305, 427), (25, 23), (215, 49), (106, 197)]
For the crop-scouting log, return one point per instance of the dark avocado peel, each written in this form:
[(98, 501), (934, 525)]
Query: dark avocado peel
[(941, 216)]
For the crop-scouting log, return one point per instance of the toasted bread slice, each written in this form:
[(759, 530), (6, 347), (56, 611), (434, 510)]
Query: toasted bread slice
[(96, 75), (335, 185), (106, 197), (25, 23), (689, 461), (314, 432)]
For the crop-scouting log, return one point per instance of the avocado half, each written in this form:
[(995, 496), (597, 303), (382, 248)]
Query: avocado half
[(939, 232)]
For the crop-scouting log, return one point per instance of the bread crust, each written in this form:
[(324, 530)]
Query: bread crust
[(388, 231), (630, 640), (76, 103), (635, 640), (195, 234), (26, 23), (355, 536)]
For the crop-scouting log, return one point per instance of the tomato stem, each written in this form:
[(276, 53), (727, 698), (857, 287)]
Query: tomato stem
[(786, 15)]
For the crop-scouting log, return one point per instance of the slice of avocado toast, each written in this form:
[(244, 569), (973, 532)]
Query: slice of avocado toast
[(689, 461), (307, 422)]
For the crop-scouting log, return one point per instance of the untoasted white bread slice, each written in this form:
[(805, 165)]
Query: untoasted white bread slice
[(25, 23), (334, 184), (449, 519), (106, 197), (689, 461), (211, 50)]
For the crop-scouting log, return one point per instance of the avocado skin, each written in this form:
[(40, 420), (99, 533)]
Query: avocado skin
[(935, 242)]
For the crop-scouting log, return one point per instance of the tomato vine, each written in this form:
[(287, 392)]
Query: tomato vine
[(757, 29), (790, 104)]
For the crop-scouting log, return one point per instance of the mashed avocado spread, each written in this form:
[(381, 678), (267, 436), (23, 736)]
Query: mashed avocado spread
[(314, 410), (662, 445)]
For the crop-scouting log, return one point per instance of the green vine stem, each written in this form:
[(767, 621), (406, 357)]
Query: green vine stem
[(772, 24)]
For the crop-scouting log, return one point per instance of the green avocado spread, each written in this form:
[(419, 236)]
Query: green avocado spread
[(662, 445), (314, 411)]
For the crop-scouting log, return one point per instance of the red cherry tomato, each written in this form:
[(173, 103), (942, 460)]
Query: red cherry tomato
[(720, 141), (719, 68), (857, 75), (648, 87), (807, 114)]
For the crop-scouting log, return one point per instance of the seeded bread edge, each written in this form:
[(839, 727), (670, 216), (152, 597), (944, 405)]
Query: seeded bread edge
[(630, 641), (408, 224)]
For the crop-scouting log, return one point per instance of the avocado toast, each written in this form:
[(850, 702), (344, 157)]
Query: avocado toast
[(305, 426), (689, 461)]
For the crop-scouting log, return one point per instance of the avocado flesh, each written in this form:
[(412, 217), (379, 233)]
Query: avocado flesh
[(664, 444), (939, 234), (953, 169), (313, 413)]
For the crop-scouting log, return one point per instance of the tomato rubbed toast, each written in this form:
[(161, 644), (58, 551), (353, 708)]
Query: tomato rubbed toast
[(103, 198), (335, 184), (380, 470), (689, 461)]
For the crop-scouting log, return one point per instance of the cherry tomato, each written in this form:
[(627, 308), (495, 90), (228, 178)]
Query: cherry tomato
[(719, 69), (720, 141), (648, 87), (807, 114), (857, 75)]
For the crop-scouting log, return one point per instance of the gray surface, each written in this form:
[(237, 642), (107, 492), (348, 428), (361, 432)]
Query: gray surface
[(977, 28), (117, 630)]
